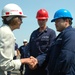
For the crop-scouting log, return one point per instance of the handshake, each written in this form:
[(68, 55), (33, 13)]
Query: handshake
[(31, 61)]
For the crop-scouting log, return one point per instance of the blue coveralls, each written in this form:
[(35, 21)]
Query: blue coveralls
[(62, 53), (38, 47)]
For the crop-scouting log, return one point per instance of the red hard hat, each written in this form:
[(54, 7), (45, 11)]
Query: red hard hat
[(42, 14)]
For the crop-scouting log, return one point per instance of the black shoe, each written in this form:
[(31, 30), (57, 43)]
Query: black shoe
[(21, 72)]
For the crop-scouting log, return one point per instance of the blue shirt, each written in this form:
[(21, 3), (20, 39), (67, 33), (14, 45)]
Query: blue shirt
[(38, 47), (62, 53), (23, 51), (16, 46)]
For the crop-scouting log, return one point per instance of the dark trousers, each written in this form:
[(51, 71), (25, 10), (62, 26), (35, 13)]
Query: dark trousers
[(22, 69), (8, 72)]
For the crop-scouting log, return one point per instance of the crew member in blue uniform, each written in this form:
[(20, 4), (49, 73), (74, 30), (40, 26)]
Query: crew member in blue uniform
[(16, 51), (62, 50), (40, 39), (23, 53)]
